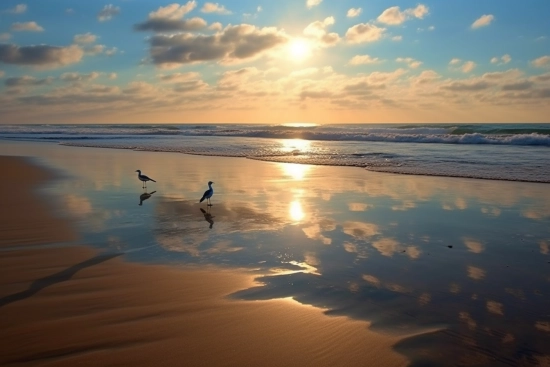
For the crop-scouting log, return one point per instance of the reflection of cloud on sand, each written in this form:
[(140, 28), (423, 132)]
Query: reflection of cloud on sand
[(496, 308), (544, 248), (543, 326), (387, 246), (360, 230), (78, 205), (358, 207), (314, 232), (476, 273), (465, 317), (473, 246)]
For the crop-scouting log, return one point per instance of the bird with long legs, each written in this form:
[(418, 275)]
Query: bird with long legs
[(208, 194), (144, 179)]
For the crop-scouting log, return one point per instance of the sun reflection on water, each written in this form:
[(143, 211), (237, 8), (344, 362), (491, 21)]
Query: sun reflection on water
[(296, 212)]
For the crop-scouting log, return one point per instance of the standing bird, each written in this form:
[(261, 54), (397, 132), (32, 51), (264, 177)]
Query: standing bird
[(208, 194), (144, 178)]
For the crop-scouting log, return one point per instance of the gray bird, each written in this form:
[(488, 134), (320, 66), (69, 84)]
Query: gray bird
[(208, 194), (144, 178)]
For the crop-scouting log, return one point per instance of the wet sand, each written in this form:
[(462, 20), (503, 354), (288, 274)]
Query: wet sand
[(70, 305)]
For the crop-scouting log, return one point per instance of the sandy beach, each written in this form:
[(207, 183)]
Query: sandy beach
[(66, 304), (292, 265)]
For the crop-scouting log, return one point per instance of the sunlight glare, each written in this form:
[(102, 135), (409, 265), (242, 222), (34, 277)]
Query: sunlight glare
[(296, 171), (299, 49)]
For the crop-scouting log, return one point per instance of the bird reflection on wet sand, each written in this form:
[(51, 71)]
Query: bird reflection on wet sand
[(144, 197), (207, 216)]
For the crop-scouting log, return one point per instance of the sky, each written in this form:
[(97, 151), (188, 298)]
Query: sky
[(285, 61)]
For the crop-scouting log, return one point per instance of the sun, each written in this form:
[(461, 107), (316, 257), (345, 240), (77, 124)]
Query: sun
[(299, 49)]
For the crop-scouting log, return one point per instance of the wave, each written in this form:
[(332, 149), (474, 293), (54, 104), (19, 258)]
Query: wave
[(516, 134)]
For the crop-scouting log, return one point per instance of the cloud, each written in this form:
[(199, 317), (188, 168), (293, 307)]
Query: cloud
[(467, 86), (179, 77), (40, 55), (413, 64), (505, 59), (318, 31), (311, 3), (363, 60), (84, 38), (5, 36), (354, 12), (2, 74), (169, 19), (394, 16), (77, 77), (18, 9), (26, 80), (217, 26), (108, 12), (483, 21), (364, 32), (215, 8), (397, 38), (466, 67), (26, 26), (541, 62), (234, 44)]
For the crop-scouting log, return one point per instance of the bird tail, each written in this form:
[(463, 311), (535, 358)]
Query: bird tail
[(153, 180), (202, 199)]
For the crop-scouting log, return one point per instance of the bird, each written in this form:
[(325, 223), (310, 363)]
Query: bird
[(144, 197), (144, 178), (208, 194)]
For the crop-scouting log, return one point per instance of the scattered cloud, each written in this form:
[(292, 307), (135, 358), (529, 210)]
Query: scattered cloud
[(108, 12), (44, 56), (354, 12), (394, 16), (234, 44), (5, 36), (363, 33), (364, 60), (26, 26), (542, 62), (2, 74), (311, 3), (217, 26), (77, 77), (215, 8), (84, 38), (26, 80), (465, 67), (397, 38), (483, 21), (413, 64), (18, 9), (169, 19), (505, 59), (317, 30)]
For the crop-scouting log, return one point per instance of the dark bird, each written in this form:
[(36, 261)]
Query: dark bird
[(144, 178), (208, 194), (207, 217), (145, 196)]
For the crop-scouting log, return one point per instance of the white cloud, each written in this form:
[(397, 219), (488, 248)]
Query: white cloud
[(363, 60), (541, 62), (505, 59), (394, 16), (483, 21), (454, 61), (18, 9), (431, 28), (413, 64), (217, 26), (169, 19), (354, 12), (108, 12), (173, 11), (5, 36), (468, 66), (311, 3), (364, 32), (215, 8), (26, 26), (84, 38), (77, 77), (318, 31), (397, 38)]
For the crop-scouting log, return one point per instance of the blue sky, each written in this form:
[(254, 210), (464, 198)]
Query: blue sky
[(321, 61)]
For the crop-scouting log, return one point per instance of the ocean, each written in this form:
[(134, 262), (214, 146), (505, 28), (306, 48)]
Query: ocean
[(512, 152)]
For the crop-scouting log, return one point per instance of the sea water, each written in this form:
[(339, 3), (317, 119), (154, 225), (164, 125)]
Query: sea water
[(513, 152)]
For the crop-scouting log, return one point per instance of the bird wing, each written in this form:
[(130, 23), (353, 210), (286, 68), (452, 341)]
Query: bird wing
[(204, 195)]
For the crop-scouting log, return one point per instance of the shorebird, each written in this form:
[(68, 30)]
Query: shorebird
[(208, 194), (144, 178)]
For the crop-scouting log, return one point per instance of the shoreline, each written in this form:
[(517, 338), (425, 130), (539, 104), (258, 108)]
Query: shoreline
[(74, 305)]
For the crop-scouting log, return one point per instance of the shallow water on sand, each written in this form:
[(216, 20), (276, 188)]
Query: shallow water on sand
[(461, 267)]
